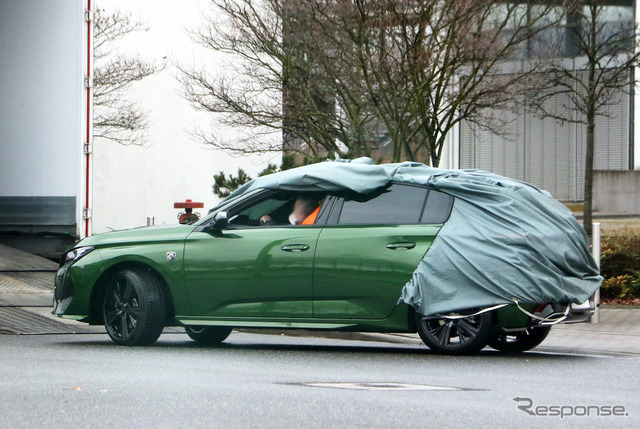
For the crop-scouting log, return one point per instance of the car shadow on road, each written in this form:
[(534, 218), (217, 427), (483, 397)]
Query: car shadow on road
[(309, 346)]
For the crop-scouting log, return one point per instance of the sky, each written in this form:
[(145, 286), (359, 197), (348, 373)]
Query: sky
[(131, 183)]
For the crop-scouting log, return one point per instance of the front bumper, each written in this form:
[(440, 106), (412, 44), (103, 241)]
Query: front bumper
[(63, 292)]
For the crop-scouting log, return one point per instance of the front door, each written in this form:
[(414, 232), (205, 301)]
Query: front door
[(253, 270)]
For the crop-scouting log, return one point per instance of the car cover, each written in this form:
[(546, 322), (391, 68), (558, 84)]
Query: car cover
[(505, 241)]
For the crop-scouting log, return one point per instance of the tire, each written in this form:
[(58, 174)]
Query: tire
[(457, 336), (133, 308), (516, 342), (208, 335)]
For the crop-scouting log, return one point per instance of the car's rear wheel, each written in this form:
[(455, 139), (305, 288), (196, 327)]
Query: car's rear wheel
[(520, 341), (133, 308), (208, 335), (457, 336)]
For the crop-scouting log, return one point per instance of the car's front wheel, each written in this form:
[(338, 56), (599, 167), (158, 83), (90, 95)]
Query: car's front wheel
[(520, 341), (133, 308), (208, 335), (457, 335)]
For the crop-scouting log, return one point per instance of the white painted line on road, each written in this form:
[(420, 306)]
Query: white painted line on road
[(380, 386)]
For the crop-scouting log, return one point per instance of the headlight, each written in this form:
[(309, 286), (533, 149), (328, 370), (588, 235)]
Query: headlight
[(77, 253)]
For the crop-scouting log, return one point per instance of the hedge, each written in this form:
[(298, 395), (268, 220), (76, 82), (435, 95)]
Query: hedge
[(620, 267)]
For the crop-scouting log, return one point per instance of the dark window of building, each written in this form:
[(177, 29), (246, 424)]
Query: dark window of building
[(559, 30)]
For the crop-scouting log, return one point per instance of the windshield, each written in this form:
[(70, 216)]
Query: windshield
[(225, 205)]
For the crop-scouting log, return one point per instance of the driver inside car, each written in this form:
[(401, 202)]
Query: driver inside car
[(305, 211)]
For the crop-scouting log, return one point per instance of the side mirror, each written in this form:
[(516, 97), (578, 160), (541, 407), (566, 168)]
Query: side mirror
[(220, 221)]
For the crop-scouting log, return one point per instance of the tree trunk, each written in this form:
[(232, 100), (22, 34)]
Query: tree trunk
[(434, 155), (435, 160), (588, 174), (397, 150)]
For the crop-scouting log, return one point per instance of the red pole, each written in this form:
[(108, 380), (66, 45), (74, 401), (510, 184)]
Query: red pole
[(88, 140)]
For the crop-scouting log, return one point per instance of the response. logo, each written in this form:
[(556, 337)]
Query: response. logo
[(562, 411)]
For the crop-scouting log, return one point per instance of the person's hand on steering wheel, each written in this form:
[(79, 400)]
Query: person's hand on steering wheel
[(264, 219)]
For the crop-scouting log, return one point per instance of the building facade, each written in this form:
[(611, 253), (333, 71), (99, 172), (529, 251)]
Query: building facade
[(551, 154)]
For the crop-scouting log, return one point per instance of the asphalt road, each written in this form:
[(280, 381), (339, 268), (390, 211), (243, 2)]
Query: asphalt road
[(276, 381)]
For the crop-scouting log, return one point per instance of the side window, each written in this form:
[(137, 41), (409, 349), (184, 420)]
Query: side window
[(277, 206), (437, 208), (278, 209), (398, 204)]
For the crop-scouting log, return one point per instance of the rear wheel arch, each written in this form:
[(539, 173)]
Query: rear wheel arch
[(97, 292)]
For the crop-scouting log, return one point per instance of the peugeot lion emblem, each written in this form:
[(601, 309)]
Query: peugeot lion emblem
[(171, 256)]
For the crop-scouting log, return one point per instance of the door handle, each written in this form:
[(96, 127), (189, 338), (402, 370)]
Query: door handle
[(295, 247), (406, 245)]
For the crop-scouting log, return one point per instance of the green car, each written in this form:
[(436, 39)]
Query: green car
[(280, 259)]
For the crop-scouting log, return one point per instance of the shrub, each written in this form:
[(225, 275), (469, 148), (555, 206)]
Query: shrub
[(620, 266), (616, 287)]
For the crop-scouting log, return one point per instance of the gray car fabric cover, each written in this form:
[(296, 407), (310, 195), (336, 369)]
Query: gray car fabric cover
[(505, 240), (359, 175)]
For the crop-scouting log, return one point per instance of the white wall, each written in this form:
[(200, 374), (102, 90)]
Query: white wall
[(130, 183), (41, 88), (450, 157)]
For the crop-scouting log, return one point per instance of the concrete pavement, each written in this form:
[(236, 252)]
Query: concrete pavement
[(15, 260), (26, 295), (275, 382), (25, 279), (617, 332)]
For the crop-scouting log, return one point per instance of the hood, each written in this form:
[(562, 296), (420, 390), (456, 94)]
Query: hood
[(144, 234)]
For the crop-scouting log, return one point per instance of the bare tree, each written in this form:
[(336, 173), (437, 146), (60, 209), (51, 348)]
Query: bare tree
[(268, 86), (116, 117), (605, 48), (428, 65), (333, 76)]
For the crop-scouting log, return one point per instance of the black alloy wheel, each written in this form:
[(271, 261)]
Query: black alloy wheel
[(457, 336), (208, 335), (520, 341), (133, 308)]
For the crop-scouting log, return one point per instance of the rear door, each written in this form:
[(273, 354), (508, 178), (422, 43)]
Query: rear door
[(370, 247)]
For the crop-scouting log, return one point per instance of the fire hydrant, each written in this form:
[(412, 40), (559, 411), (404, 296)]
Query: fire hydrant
[(188, 215)]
